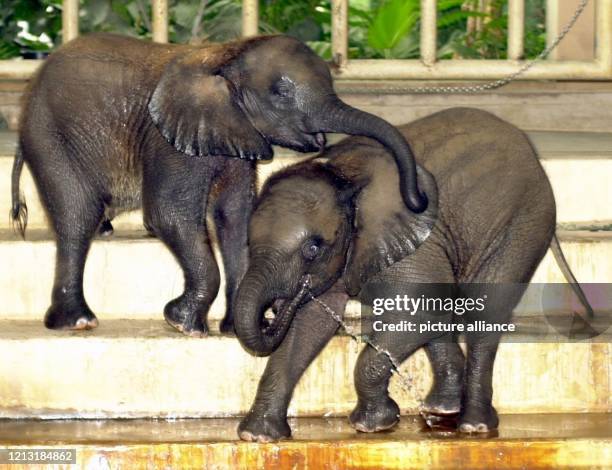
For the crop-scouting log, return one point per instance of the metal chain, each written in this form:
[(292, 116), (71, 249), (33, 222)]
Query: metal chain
[(405, 381), (497, 83)]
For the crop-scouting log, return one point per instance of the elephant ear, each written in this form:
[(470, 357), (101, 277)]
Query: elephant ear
[(385, 230), (197, 110)]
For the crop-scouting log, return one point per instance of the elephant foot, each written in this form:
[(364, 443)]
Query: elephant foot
[(375, 417), (478, 419), (61, 317), (442, 403), (181, 313), (258, 428)]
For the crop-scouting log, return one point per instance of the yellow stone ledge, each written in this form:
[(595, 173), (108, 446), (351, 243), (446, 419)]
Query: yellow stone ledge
[(137, 368), (524, 441), (131, 276)]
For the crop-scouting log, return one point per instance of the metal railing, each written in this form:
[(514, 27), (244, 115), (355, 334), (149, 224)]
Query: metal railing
[(425, 68)]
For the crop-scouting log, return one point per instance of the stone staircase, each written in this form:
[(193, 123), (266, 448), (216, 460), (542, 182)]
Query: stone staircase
[(555, 399)]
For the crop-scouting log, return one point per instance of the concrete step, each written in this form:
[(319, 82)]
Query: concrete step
[(143, 368), (132, 276), (524, 441), (579, 165)]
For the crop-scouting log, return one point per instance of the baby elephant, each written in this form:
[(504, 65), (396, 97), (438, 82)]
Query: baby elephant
[(335, 226)]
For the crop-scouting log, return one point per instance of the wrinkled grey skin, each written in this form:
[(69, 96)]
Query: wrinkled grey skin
[(338, 221), (112, 123)]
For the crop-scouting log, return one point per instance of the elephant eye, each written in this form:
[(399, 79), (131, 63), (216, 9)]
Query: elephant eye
[(283, 88), (312, 248)]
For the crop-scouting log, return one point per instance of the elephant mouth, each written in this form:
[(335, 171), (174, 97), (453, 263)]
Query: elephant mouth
[(283, 308), (305, 142)]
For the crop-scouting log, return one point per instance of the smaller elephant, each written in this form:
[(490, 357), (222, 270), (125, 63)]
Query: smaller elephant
[(335, 227)]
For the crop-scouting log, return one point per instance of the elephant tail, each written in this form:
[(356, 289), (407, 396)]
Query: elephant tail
[(19, 209), (569, 275)]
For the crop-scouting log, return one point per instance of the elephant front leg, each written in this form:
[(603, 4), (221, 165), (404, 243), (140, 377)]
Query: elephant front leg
[(174, 211), (232, 209), (376, 410), (311, 330)]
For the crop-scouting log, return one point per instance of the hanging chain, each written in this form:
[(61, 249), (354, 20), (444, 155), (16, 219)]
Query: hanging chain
[(405, 381), (493, 84)]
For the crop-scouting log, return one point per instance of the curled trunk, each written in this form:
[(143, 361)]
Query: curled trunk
[(340, 117), (253, 299)]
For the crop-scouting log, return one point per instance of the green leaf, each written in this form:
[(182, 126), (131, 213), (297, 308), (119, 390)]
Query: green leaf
[(392, 22), (184, 14), (407, 47), (444, 5), (322, 48), (453, 18), (8, 50)]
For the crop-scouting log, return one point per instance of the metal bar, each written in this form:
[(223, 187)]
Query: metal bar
[(339, 32), (160, 20), (552, 25), (429, 31), (601, 69), (516, 29), (250, 18), (603, 41), (70, 20), (375, 69), (18, 69)]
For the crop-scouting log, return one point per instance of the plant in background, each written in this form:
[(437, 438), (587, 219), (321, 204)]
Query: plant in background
[(487, 36), (394, 32), (189, 20), (377, 28), (28, 27)]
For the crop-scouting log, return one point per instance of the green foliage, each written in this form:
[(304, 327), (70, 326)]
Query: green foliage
[(43, 20), (392, 22), (491, 40), (377, 28)]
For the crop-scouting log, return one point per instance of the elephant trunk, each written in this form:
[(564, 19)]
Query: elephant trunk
[(253, 299), (342, 118)]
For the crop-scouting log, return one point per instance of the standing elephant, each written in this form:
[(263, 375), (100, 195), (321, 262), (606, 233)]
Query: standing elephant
[(334, 227), (112, 124)]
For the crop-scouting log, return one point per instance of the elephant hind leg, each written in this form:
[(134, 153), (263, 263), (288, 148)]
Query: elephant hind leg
[(503, 280), (75, 211)]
